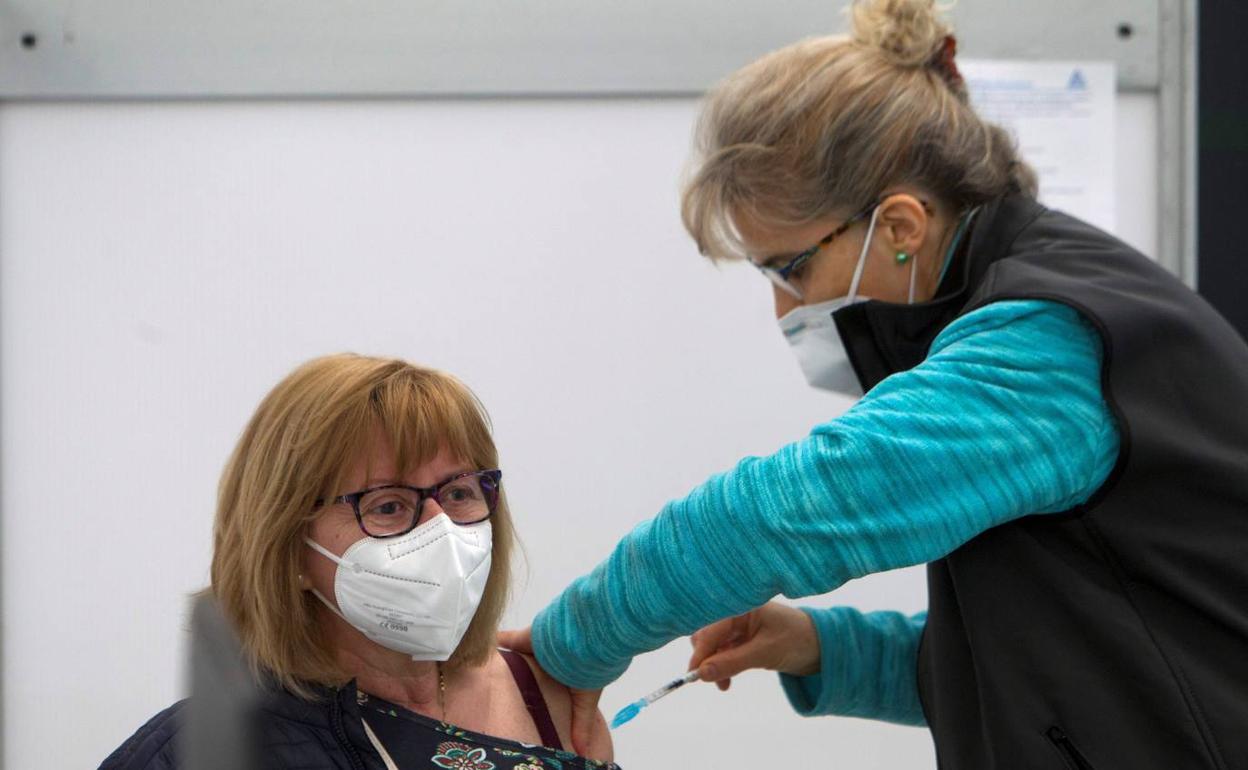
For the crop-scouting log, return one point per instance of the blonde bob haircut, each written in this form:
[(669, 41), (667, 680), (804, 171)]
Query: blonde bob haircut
[(826, 125), (296, 449)]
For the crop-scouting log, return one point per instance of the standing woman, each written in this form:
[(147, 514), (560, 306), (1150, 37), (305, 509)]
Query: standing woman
[(1053, 424)]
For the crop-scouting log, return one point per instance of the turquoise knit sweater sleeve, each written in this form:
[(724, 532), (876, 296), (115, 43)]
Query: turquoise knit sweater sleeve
[(867, 667), (1003, 419)]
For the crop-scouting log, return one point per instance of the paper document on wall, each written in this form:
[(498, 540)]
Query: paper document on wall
[(1062, 116)]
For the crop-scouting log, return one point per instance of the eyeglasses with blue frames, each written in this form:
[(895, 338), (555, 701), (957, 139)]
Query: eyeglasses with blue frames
[(390, 510), (780, 275)]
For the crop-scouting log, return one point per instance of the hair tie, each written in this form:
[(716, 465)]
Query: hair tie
[(942, 61)]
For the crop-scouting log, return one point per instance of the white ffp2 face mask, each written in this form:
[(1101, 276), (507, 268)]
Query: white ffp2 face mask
[(414, 594), (818, 347), (812, 334)]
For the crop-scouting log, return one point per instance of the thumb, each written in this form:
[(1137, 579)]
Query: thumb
[(585, 719), (520, 641), (709, 639), (729, 662)]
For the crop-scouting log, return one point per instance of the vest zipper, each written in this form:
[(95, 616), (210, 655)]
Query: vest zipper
[(340, 732), (1074, 760)]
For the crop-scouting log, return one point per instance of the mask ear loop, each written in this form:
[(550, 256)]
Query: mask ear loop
[(914, 264), (963, 224), (862, 257), (325, 552), (958, 234), (330, 605)]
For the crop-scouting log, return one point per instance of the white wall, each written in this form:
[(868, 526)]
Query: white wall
[(162, 265)]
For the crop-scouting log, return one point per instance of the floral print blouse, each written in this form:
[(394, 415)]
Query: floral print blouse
[(416, 742)]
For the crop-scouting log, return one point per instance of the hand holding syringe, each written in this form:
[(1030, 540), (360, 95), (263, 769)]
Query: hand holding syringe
[(774, 637)]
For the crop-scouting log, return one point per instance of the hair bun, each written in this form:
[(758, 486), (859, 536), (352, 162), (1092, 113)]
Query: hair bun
[(908, 32)]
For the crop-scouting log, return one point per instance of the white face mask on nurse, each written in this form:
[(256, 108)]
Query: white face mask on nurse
[(902, 247)]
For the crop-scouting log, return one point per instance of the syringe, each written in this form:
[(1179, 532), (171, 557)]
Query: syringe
[(634, 708)]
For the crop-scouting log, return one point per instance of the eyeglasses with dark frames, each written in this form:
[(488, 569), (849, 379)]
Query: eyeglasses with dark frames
[(780, 275), (390, 510)]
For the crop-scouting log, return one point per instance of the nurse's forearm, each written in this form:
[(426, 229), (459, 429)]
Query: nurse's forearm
[(868, 667)]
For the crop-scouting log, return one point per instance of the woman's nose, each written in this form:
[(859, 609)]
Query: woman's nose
[(428, 509), (784, 301)]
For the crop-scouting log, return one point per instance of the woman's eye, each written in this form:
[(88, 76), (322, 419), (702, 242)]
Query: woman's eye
[(388, 508)]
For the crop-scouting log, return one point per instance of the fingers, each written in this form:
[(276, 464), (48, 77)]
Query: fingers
[(723, 636), (520, 641), (586, 722), (716, 638), (708, 640), (730, 661), (775, 637), (600, 746)]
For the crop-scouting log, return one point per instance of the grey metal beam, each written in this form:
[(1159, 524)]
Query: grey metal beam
[(100, 49)]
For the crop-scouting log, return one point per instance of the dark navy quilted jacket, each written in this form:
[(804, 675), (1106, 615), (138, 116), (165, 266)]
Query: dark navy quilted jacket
[(294, 734)]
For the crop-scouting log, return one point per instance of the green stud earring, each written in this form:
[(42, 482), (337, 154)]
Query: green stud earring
[(902, 257)]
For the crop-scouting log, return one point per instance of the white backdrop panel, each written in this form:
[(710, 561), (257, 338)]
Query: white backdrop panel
[(162, 265)]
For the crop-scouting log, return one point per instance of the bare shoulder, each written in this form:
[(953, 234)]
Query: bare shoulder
[(559, 701)]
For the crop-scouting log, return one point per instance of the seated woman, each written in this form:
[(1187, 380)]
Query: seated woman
[(362, 553)]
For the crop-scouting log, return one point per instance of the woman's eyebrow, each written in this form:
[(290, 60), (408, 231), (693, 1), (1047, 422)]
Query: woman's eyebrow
[(383, 482)]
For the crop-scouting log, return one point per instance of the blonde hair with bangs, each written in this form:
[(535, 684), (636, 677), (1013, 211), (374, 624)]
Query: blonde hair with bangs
[(825, 125), (297, 449)]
